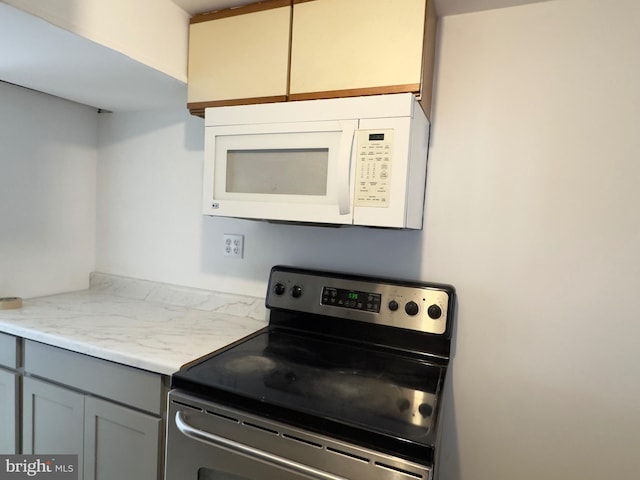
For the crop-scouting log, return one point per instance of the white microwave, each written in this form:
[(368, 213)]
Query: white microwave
[(347, 161)]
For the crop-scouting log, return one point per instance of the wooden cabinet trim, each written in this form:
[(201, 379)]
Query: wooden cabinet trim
[(232, 12), (428, 57), (197, 108), (356, 92)]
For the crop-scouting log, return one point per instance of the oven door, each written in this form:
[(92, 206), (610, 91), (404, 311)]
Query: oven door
[(210, 445), (207, 441)]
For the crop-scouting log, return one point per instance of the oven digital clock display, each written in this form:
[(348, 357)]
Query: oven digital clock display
[(353, 299)]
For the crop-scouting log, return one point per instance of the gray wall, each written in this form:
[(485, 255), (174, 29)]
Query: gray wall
[(533, 215), (47, 193)]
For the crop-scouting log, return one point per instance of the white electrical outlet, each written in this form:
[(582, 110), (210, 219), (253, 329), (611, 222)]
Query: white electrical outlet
[(233, 245)]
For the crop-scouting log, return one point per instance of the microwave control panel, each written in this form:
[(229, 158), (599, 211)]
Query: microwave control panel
[(373, 168)]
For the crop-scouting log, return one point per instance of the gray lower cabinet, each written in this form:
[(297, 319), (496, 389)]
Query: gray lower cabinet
[(52, 419), (107, 413), (9, 395), (119, 442), (111, 441), (8, 411)]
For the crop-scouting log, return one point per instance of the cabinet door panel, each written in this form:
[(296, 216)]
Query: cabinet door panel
[(240, 56), (53, 419), (120, 442), (356, 44), (8, 398)]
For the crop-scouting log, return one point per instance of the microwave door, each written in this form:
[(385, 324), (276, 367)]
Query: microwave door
[(283, 172)]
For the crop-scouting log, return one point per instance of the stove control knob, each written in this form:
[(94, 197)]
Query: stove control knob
[(411, 308), (393, 305), (296, 291), (279, 289), (434, 311)]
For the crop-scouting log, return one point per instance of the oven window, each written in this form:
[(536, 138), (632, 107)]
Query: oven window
[(295, 171), (210, 474)]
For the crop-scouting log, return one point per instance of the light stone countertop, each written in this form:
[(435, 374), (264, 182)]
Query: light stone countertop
[(152, 326)]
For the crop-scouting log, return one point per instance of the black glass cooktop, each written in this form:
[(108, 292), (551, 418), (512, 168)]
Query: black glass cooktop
[(352, 384)]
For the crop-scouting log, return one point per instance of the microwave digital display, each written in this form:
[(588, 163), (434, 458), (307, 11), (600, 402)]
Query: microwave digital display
[(373, 137)]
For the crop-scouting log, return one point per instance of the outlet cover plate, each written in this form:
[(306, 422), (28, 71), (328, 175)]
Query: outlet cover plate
[(233, 245)]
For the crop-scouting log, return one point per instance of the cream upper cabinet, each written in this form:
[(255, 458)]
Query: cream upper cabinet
[(239, 55), (373, 45), (282, 50)]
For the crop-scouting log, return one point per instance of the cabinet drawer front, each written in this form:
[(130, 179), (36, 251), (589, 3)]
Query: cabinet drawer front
[(138, 388), (8, 350)]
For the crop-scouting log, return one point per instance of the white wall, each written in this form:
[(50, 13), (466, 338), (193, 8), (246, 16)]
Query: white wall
[(150, 225), (531, 214), (153, 32), (47, 193)]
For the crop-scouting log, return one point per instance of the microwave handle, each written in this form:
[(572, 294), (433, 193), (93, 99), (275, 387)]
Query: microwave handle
[(344, 167)]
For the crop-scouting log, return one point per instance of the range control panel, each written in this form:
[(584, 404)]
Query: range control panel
[(340, 297), (411, 305)]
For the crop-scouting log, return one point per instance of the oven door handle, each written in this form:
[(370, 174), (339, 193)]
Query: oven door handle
[(236, 447)]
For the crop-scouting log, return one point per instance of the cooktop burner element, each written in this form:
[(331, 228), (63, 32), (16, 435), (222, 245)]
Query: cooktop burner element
[(357, 359), (249, 364)]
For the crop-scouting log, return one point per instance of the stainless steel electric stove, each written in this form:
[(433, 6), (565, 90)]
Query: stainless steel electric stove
[(346, 382)]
